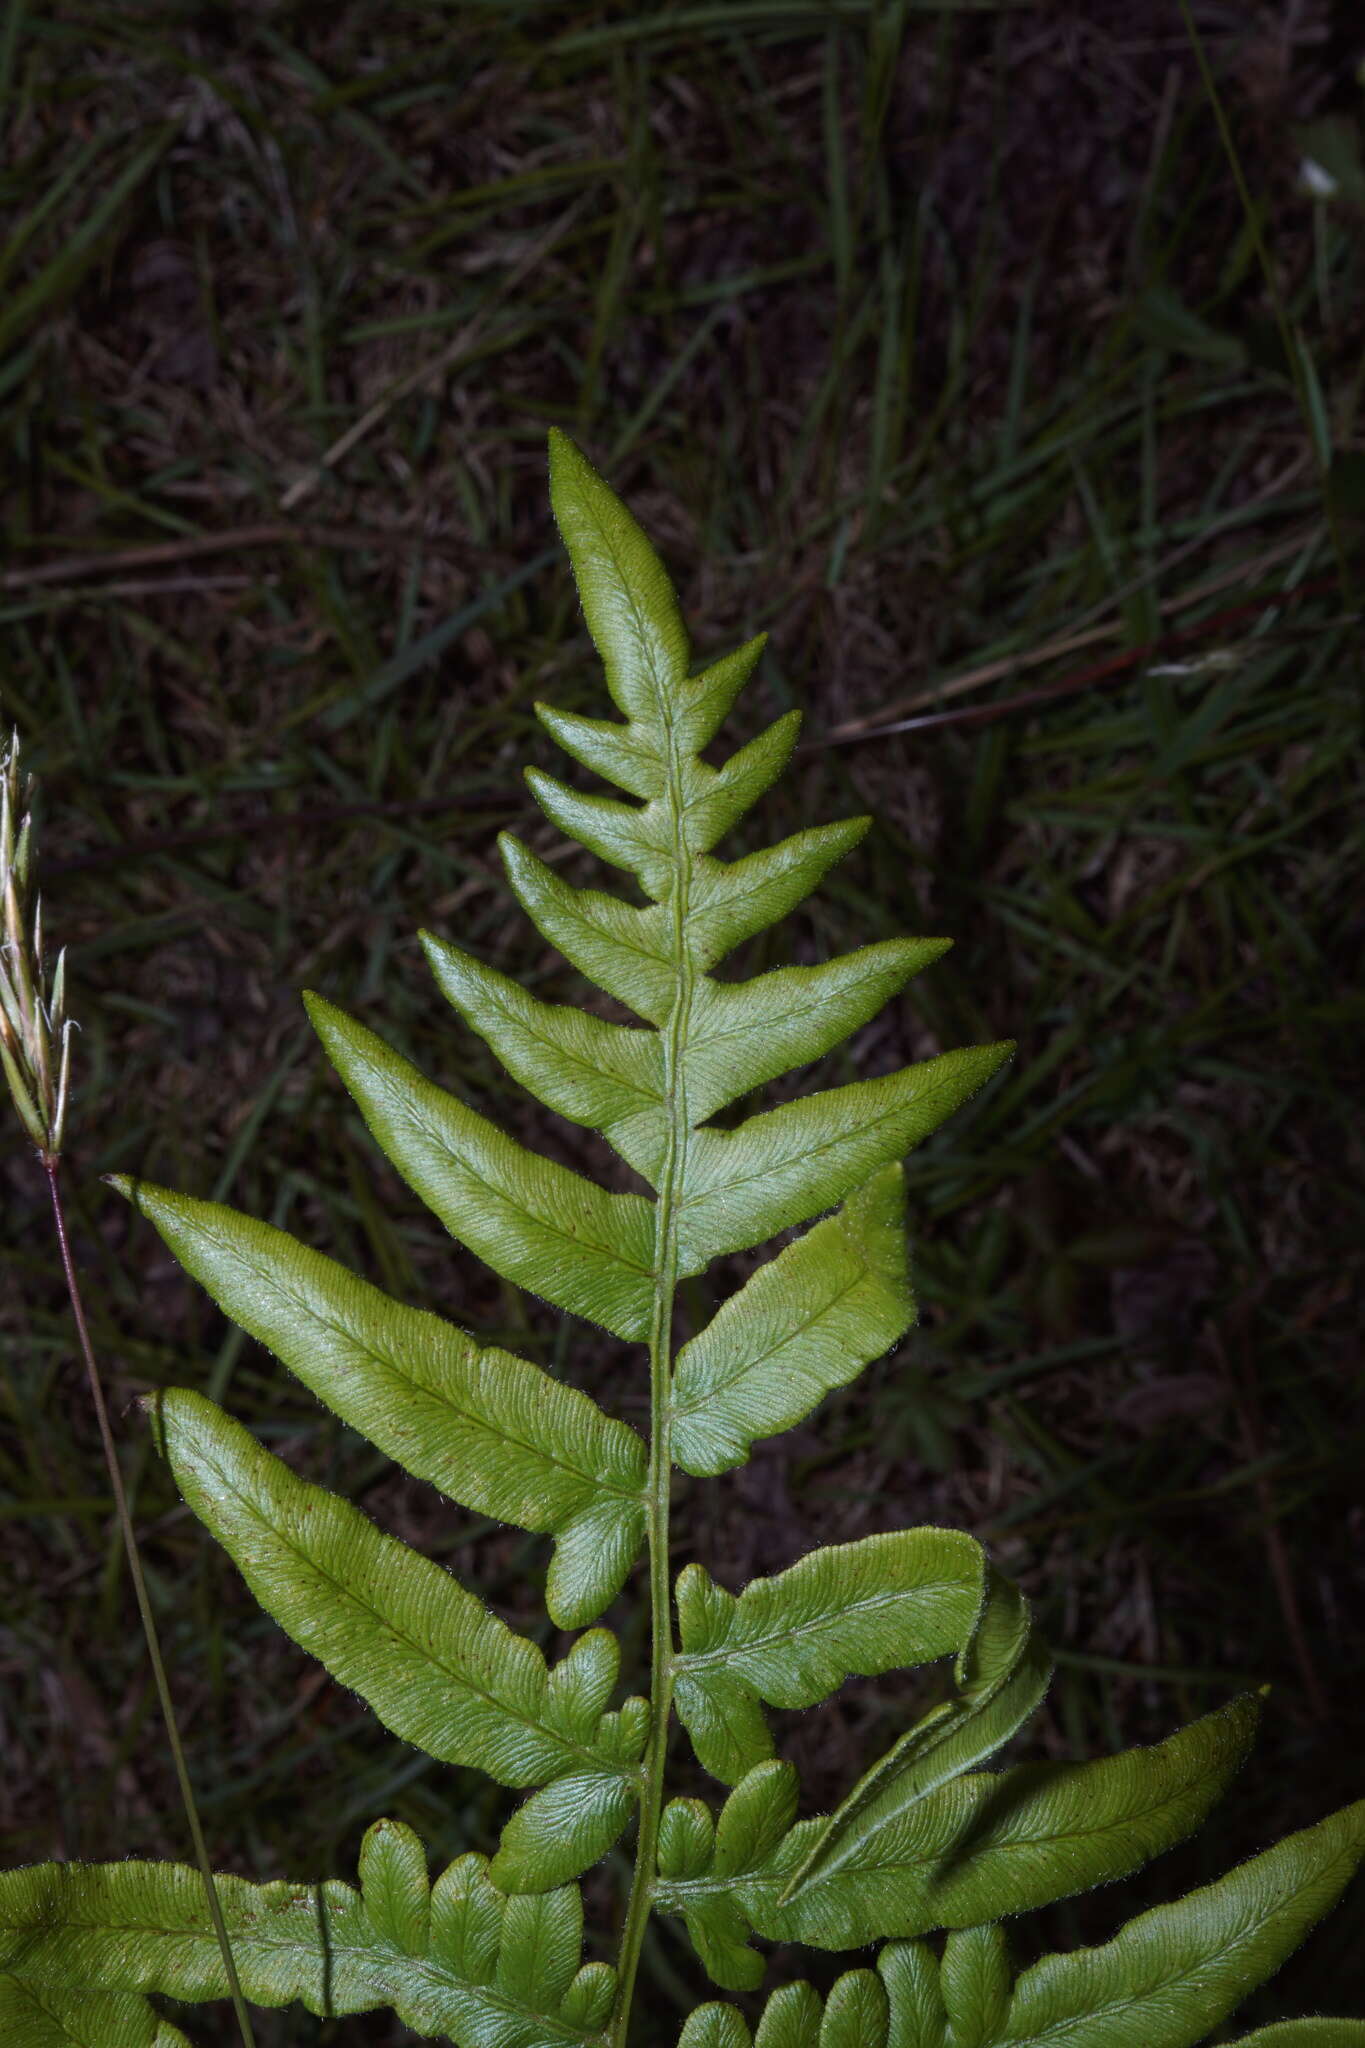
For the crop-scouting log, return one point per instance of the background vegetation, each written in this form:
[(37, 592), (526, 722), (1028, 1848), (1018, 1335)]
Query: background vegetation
[(1007, 366)]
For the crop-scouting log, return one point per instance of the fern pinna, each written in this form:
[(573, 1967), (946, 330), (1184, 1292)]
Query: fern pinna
[(927, 1843)]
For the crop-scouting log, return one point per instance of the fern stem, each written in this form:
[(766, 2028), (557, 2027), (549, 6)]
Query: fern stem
[(641, 1898), (641, 1901), (149, 1628)]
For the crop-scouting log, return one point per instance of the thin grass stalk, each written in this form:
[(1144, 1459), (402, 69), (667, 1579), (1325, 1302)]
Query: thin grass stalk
[(35, 1052), (51, 1167)]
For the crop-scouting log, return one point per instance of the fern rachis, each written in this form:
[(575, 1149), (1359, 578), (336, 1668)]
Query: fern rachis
[(930, 1850)]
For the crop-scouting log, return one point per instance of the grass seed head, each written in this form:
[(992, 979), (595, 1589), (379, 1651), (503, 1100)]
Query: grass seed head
[(35, 1034)]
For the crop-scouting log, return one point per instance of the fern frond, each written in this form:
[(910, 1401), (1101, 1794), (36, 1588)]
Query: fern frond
[(745, 1033), (626, 951), (606, 1076), (1178, 1971), (455, 1960), (785, 1165), (1166, 1981), (926, 1839), (978, 1846)]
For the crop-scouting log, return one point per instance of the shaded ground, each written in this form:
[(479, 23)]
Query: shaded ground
[(940, 346)]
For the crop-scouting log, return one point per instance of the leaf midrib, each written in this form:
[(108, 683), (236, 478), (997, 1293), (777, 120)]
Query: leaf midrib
[(693, 1660), (667, 1215), (1002, 1845), (997, 1848)]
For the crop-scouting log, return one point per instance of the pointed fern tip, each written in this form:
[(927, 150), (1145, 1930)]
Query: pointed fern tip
[(319, 1010), (514, 854), (565, 456)]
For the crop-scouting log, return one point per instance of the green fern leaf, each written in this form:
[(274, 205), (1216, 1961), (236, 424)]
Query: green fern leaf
[(809, 1320), (1167, 1980), (436, 1666), (455, 1960), (792, 2018), (54, 2018), (490, 1430), (602, 1075), (531, 1220), (855, 1609), (1178, 1971), (563, 1829), (1002, 1673), (731, 901), (987, 1844), (394, 1886), (785, 1165), (627, 952), (715, 2026), (744, 1033), (917, 2014), (702, 1864), (974, 1978), (977, 1847)]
